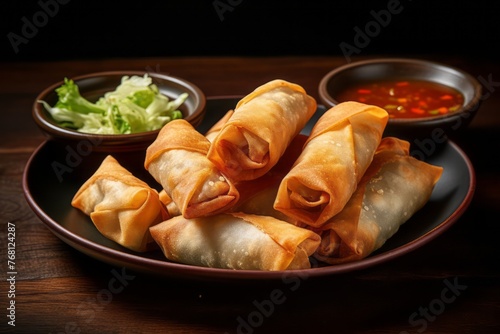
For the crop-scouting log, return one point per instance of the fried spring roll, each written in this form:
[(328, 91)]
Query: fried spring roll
[(393, 189), (177, 160), (334, 158), (262, 126), (236, 241), (121, 206)]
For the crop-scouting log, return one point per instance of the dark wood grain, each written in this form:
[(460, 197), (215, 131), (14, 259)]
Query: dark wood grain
[(59, 290)]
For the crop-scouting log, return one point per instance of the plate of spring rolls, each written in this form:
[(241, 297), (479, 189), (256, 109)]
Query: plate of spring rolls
[(270, 184)]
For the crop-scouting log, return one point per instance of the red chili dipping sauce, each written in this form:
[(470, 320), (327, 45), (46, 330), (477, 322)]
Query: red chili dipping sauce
[(407, 99)]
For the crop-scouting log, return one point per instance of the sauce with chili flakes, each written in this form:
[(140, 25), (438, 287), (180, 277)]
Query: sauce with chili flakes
[(407, 99)]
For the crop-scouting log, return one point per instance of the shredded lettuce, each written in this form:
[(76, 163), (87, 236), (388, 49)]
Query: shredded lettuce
[(136, 105)]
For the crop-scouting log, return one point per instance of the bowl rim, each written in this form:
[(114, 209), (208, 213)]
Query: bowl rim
[(470, 107), (52, 128)]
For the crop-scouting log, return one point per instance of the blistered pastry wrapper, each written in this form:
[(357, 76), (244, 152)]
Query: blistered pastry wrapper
[(177, 160), (260, 129), (334, 158), (236, 241), (121, 206), (393, 189)]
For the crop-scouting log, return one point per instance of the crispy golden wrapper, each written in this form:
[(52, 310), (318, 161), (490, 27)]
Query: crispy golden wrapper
[(177, 160), (121, 206), (260, 129), (393, 189), (236, 241), (334, 158)]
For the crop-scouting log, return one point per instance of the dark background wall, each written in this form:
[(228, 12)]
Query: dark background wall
[(74, 29)]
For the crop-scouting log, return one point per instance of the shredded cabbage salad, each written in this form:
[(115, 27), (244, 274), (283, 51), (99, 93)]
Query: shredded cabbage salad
[(136, 105)]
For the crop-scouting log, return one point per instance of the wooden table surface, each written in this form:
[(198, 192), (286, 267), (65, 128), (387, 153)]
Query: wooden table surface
[(60, 290)]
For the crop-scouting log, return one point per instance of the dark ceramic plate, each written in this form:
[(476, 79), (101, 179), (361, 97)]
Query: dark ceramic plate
[(54, 173)]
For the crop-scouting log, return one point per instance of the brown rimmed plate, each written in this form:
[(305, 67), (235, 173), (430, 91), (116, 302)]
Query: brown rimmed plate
[(54, 173)]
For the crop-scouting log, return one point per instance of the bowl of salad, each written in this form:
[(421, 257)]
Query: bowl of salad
[(116, 110)]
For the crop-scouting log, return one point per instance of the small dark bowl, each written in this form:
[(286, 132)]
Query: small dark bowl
[(94, 85), (434, 128)]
